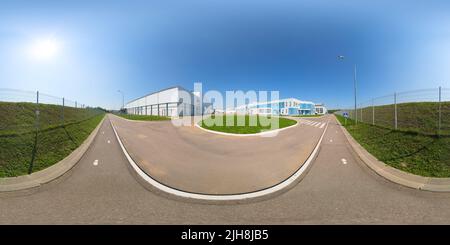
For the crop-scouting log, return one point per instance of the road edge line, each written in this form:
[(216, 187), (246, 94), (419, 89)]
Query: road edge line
[(51, 173), (394, 175), (231, 197)]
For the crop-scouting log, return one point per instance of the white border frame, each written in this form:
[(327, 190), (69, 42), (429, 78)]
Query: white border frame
[(225, 197)]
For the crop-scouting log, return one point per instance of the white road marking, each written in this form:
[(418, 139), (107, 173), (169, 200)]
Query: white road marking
[(95, 163), (103, 132), (344, 161), (331, 140), (323, 125), (109, 141)]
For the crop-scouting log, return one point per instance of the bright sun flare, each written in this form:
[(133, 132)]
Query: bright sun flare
[(45, 49)]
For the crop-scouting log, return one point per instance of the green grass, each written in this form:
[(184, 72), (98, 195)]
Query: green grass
[(413, 152), (248, 127), (143, 117), (52, 143), (419, 117)]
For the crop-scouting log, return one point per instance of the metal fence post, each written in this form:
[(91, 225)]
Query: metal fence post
[(395, 110), (440, 111), (373, 113), (362, 114)]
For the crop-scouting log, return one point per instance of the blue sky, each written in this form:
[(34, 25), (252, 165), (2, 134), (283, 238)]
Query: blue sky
[(290, 46)]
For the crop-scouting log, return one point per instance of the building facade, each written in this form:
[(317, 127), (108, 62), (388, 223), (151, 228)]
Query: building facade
[(171, 102), (285, 107)]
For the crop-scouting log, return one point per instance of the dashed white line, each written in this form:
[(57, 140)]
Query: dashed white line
[(331, 140), (109, 141), (344, 161), (323, 125), (95, 163)]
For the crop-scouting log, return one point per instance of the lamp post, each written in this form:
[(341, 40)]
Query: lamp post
[(341, 57), (123, 99)]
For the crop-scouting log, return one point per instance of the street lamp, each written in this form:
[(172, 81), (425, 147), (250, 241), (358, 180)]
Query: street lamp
[(341, 57), (123, 100)]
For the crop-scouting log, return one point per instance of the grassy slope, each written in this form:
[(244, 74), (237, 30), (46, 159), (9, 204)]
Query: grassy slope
[(144, 117), (417, 116), (54, 142), (246, 128), (411, 152)]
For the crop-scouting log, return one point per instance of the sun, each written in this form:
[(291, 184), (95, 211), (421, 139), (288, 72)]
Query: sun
[(45, 49)]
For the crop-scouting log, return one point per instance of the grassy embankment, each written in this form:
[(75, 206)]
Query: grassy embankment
[(413, 148), (21, 144), (307, 115), (247, 127), (143, 117)]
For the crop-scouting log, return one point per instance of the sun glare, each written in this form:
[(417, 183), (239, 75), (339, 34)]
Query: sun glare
[(45, 49)]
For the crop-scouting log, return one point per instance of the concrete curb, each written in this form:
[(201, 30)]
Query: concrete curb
[(256, 195), (42, 177), (395, 175), (269, 133)]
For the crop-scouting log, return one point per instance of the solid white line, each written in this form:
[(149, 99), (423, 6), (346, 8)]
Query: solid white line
[(185, 194)]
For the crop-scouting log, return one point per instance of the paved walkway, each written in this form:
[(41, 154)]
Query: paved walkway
[(333, 191), (190, 159)]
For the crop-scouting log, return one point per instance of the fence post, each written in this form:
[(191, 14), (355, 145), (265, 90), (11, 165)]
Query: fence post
[(395, 110), (362, 114), (440, 111)]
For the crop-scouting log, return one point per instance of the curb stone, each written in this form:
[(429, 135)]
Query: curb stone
[(42, 177)]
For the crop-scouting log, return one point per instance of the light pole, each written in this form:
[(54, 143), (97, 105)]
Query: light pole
[(341, 57), (123, 99)]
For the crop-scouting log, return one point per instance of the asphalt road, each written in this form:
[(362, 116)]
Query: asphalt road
[(333, 191), (190, 159)]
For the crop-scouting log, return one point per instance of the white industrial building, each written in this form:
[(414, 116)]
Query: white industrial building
[(172, 102), (284, 107)]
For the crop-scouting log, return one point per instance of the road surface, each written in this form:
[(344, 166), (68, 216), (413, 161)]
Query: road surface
[(196, 161), (334, 191)]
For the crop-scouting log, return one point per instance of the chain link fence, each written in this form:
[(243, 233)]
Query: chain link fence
[(425, 111), (38, 129)]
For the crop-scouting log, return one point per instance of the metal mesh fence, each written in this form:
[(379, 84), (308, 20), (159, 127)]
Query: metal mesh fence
[(425, 111), (38, 129)]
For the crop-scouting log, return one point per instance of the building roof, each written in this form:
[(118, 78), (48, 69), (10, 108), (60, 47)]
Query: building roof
[(274, 101)]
